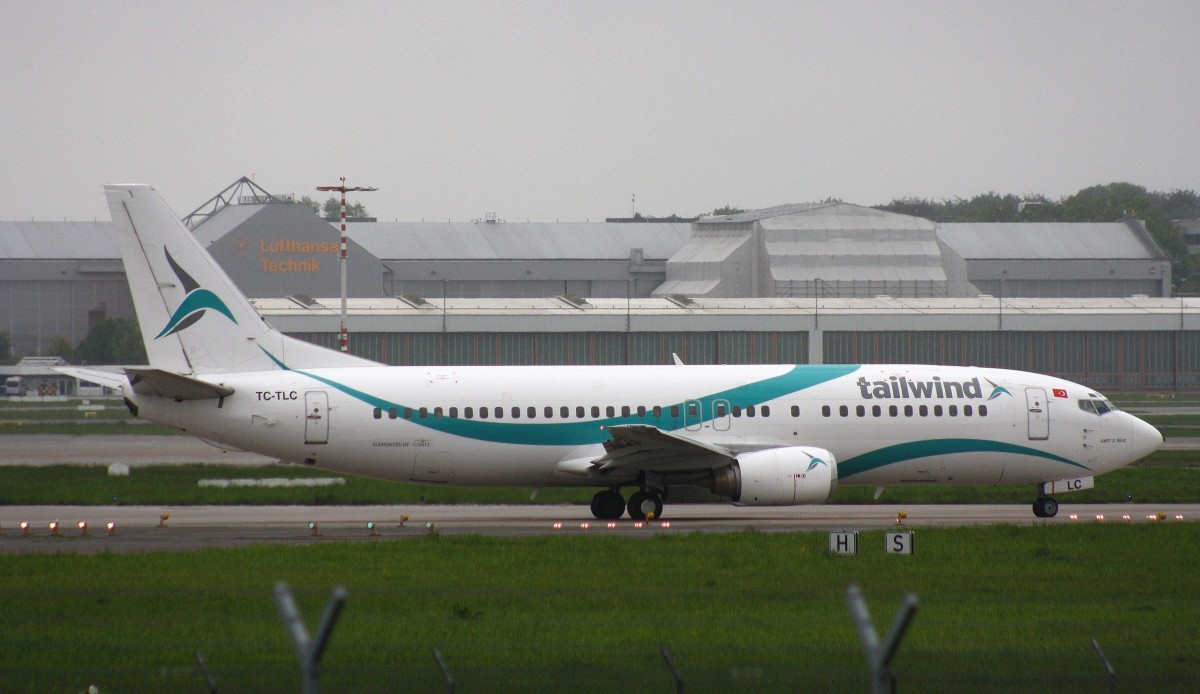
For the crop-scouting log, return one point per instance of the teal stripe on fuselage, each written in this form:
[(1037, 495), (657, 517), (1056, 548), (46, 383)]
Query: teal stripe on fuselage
[(592, 431), (912, 450)]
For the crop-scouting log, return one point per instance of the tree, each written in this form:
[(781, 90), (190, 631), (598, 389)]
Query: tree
[(727, 210), (309, 202), (1121, 201), (60, 346), (333, 209), (113, 341)]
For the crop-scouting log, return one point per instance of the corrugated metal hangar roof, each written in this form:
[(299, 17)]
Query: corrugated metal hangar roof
[(57, 241), (1049, 241), (518, 240), (706, 314)]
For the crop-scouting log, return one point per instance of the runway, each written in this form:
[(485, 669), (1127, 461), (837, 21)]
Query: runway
[(194, 527), (189, 528)]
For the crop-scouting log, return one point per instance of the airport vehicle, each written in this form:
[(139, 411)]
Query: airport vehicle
[(756, 435), (15, 386)]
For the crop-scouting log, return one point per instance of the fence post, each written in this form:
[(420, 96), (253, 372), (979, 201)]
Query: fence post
[(880, 655), (1112, 676), (208, 678), (309, 650), (674, 670), (437, 657)]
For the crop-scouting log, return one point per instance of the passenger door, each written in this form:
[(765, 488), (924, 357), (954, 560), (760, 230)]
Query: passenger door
[(1039, 414), (316, 417)]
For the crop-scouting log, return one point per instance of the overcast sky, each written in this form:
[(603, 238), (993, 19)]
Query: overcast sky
[(564, 110)]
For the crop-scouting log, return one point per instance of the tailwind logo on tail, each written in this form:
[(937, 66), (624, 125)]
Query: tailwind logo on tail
[(194, 305)]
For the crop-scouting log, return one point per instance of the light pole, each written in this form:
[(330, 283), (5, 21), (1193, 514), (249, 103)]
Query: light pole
[(344, 337)]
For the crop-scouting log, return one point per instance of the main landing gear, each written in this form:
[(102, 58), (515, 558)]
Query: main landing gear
[(610, 505), (1045, 507)]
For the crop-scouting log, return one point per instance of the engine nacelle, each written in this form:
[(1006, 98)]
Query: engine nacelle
[(779, 477)]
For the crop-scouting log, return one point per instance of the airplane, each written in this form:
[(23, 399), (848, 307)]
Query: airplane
[(750, 434)]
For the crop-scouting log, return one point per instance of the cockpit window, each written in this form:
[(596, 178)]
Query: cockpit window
[(1098, 406)]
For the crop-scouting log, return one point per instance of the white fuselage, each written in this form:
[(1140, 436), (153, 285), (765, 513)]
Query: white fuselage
[(517, 426)]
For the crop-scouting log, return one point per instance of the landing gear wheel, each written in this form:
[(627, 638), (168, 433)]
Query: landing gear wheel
[(608, 505), (642, 504), (1045, 507)]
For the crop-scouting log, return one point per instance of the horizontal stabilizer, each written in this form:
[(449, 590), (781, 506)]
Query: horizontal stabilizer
[(165, 384), (109, 379)]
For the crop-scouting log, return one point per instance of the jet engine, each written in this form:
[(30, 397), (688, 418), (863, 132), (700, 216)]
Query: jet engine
[(778, 477)]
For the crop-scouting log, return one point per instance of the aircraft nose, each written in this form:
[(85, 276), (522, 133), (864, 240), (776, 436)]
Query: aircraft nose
[(1145, 438)]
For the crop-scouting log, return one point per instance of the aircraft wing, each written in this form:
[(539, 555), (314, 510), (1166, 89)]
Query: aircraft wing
[(643, 447), (175, 386)]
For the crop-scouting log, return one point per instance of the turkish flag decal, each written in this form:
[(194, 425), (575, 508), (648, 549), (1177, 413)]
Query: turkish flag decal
[(1060, 393)]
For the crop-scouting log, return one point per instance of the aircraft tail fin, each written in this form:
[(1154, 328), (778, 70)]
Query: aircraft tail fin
[(194, 319)]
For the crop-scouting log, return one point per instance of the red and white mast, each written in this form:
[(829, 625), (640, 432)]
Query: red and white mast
[(344, 336)]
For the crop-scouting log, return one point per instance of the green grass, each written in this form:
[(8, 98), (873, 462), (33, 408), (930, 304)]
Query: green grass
[(1165, 477), (1001, 609)]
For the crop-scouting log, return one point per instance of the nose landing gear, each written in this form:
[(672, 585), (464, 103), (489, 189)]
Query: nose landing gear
[(1045, 507)]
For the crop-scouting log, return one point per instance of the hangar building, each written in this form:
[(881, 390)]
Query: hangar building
[(771, 285)]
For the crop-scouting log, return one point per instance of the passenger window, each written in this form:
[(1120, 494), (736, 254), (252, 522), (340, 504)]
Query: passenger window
[(624, 410), (750, 410), (391, 413), (610, 411), (549, 412), (641, 410), (453, 413), (737, 410), (765, 410), (516, 413), (825, 411), (937, 410), (469, 412), (408, 413), (908, 410), (423, 413), (844, 411), (924, 410), (579, 411), (952, 410), (860, 411), (657, 411), (966, 410), (893, 411), (876, 410), (377, 413), (595, 411), (437, 413), (674, 410), (483, 413), (499, 413), (531, 412), (721, 410), (983, 410)]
